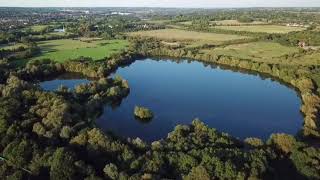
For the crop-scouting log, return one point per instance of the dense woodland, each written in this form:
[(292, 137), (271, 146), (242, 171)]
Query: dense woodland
[(52, 135)]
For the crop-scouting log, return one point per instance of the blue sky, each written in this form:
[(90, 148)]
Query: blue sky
[(161, 3)]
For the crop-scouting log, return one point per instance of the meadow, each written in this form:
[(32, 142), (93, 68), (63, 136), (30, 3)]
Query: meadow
[(262, 28), (66, 49), (235, 22), (193, 37), (256, 51), (38, 28), (226, 23)]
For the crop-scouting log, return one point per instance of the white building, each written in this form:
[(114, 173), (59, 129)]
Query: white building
[(63, 30)]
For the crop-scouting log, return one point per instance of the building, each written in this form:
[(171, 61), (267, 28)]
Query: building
[(60, 30)]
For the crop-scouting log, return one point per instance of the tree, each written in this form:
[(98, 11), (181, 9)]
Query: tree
[(143, 113), (39, 129), (66, 132), (282, 142), (62, 165), (198, 173), (111, 171)]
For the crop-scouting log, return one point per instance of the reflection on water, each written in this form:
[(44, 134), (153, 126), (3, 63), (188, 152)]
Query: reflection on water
[(69, 80)]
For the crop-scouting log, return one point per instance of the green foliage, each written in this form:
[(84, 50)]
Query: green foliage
[(245, 19), (198, 173), (143, 113), (282, 142), (62, 165), (307, 161), (18, 153), (111, 171), (255, 142), (66, 132)]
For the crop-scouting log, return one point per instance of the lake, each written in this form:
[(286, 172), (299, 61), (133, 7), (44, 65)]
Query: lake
[(240, 104)]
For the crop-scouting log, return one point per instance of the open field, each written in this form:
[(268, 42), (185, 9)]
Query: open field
[(226, 22), (262, 28), (158, 21), (61, 50), (38, 28), (188, 36), (11, 46), (308, 59), (256, 51), (235, 22)]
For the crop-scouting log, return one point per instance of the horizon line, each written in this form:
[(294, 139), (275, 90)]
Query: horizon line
[(239, 7)]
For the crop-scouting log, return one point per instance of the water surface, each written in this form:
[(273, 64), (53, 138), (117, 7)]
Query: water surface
[(240, 104), (69, 80)]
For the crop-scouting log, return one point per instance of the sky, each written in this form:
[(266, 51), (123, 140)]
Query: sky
[(161, 3)]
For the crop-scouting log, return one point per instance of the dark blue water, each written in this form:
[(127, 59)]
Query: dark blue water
[(69, 80), (240, 104)]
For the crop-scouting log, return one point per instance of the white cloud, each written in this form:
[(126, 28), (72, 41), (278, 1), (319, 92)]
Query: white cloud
[(163, 3)]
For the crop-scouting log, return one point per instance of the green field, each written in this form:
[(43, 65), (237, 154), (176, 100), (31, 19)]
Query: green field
[(158, 21), (262, 28), (256, 51), (235, 22), (38, 28), (62, 50), (308, 59), (11, 46), (193, 37), (225, 22)]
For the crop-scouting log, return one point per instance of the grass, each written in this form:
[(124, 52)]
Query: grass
[(235, 22), (38, 28), (256, 51), (66, 49), (308, 59), (12, 46), (188, 23), (158, 21), (225, 22), (262, 28), (196, 38)]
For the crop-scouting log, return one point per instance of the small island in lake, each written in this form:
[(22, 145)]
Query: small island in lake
[(143, 113)]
